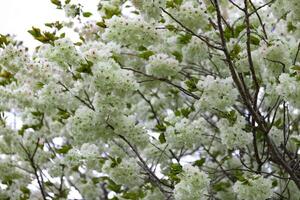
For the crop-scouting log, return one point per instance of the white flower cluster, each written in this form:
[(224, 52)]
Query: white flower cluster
[(195, 51), (8, 172), (126, 173), (186, 133), (50, 97), (89, 31), (162, 65), (153, 150), (127, 126), (63, 53), (233, 135), (135, 32), (13, 96), (98, 51), (217, 93), (109, 6), (87, 125), (289, 89), (71, 10), (90, 190), (294, 8), (109, 78), (87, 154), (151, 9), (154, 195), (277, 135), (280, 8), (15, 190), (110, 105), (191, 14), (73, 158), (257, 187), (13, 58), (39, 72), (193, 184), (276, 54)]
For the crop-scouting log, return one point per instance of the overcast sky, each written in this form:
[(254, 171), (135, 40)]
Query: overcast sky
[(18, 16)]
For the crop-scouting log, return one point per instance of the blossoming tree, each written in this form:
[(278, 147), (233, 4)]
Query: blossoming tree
[(180, 99)]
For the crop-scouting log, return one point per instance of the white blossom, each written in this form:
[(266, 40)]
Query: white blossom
[(233, 135), (216, 93), (193, 184), (162, 65), (255, 188)]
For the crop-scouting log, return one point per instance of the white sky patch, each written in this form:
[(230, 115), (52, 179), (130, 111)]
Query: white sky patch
[(18, 16)]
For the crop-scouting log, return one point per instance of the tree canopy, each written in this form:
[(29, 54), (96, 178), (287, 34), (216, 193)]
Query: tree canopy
[(156, 99)]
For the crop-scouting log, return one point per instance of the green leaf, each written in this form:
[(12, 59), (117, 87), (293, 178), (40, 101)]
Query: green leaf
[(48, 183), (239, 176), (6, 74), (134, 195), (114, 187), (96, 180), (62, 35), (291, 27), (184, 38), (118, 160), (162, 138), (173, 3), (171, 27), (45, 37), (238, 29), (110, 12), (135, 12), (39, 85), (57, 3), (186, 111), (177, 55), (64, 149), (230, 116), (87, 14), (221, 186), (142, 48), (37, 114), (56, 25), (115, 161), (146, 54), (178, 2), (85, 67), (296, 67), (274, 183), (278, 123), (160, 127), (175, 168), (296, 141), (254, 40), (25, 190), (235, 51), (4, 41), (199, 163), (101, 24), (63, 114), (35, 32), (211, 9), (227, 33), (78, 43), (192, 84)]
